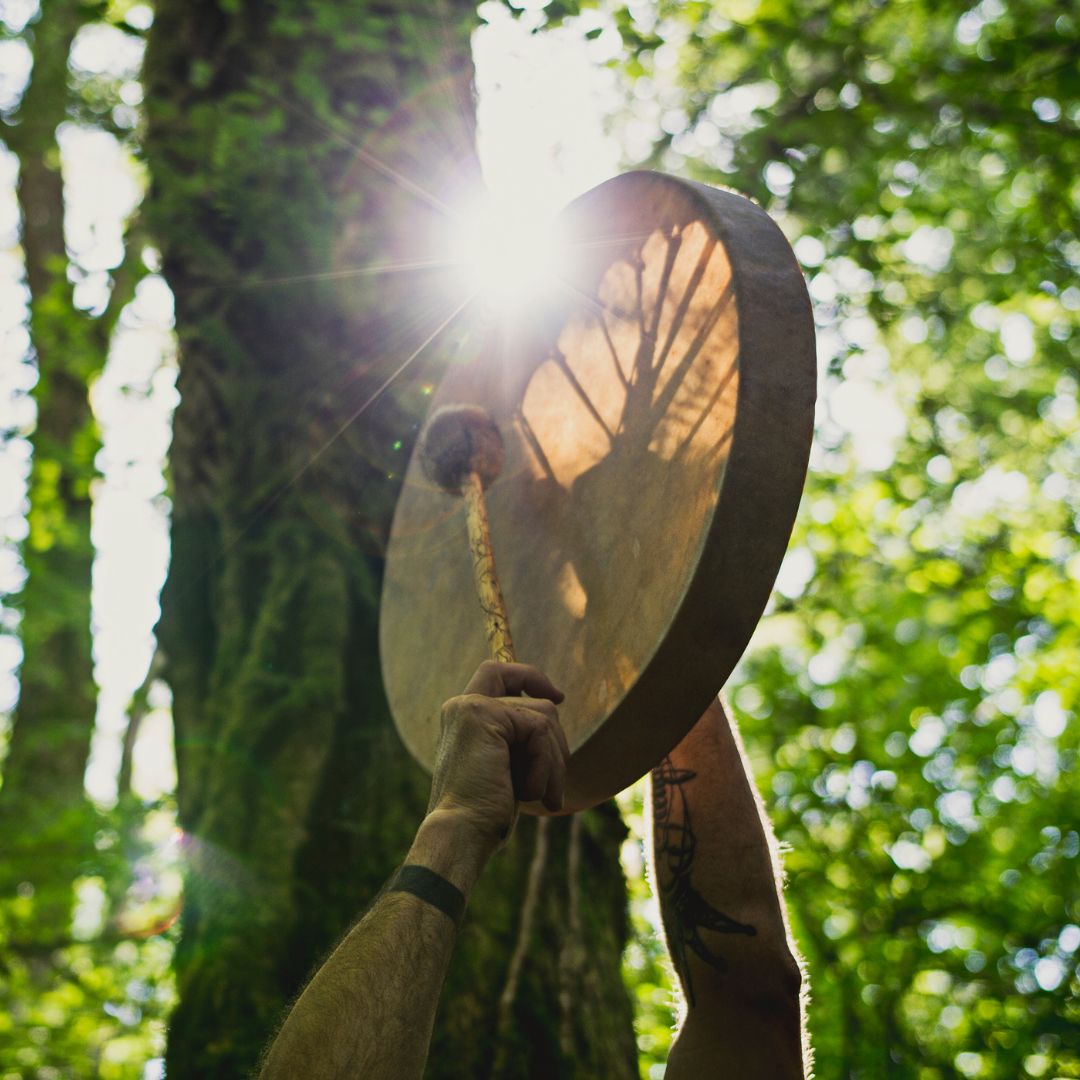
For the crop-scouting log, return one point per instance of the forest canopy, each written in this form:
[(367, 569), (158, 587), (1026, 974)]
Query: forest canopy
[(909, 701)]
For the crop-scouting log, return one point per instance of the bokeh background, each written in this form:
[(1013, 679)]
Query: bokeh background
[(909, 701)]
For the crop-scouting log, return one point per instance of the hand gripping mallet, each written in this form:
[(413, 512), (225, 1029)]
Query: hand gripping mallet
[(461, 450)]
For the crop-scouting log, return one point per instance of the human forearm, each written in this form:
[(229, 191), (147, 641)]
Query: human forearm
[(723, 913), (370, 1009)]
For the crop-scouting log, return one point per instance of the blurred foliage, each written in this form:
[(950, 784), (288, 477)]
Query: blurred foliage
[(911, 698), (87, 893), (92, 998), (647, 968)]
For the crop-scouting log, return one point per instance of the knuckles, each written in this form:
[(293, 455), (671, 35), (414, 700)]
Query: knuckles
[(473, 708), (456, 709), (468, 708)]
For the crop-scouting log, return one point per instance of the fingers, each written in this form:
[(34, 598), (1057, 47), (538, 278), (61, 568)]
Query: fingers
[(508, 680), (554, 794), (560, 739), (508, 743), (539, 753), (558, 750), (535, 764)]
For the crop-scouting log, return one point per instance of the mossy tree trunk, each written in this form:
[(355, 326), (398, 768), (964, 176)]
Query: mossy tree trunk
[(285, 142)]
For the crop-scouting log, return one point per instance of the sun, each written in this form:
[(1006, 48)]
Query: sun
[(510, 259)]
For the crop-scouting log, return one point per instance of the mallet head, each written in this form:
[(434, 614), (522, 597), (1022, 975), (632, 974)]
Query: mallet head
[(457, 440)]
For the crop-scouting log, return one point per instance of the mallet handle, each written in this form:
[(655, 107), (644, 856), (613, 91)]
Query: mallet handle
[(496, 626)]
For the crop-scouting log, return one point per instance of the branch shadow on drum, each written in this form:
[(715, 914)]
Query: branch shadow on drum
[(625, 423)]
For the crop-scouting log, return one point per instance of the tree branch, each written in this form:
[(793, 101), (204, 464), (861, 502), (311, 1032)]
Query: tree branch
[(126, 278), (521, 947)]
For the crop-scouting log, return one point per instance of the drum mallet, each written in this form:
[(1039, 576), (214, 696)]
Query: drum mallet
[(461, 450)]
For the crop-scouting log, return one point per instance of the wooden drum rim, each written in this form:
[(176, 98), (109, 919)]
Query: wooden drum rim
[(776, 395)]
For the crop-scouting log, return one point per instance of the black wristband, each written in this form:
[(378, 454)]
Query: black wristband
[(432, 888)]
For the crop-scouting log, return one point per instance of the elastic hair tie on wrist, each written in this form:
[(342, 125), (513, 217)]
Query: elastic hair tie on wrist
[(432, 888)]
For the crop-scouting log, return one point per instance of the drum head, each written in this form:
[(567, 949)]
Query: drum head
[(656, 439)]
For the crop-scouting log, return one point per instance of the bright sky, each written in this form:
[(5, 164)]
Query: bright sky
[(541, 100)]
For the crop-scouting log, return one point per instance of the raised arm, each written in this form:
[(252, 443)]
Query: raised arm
[(370, 1009), (723, 913)]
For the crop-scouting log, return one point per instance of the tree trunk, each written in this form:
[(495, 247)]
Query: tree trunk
[(285, 143), (42, 805)]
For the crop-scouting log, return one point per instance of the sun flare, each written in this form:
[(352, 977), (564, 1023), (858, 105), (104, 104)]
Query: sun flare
[(510, 259)]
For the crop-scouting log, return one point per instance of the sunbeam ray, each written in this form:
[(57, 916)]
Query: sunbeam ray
[(365, 155), (362, 408), (386, 384), (374, 270)]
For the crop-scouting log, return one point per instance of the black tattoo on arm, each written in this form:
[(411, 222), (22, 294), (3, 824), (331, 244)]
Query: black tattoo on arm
[(686, 912), (430, 887)]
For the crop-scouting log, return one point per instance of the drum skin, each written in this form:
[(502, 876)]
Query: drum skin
[(657, 425)]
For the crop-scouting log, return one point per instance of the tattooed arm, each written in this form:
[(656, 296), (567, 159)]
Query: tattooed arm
[(724, 920), (370, 1009)]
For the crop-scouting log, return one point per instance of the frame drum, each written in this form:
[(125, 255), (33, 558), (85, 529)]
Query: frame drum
[(657, 425)]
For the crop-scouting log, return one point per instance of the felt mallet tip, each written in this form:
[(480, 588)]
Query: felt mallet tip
[(458, 440)]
